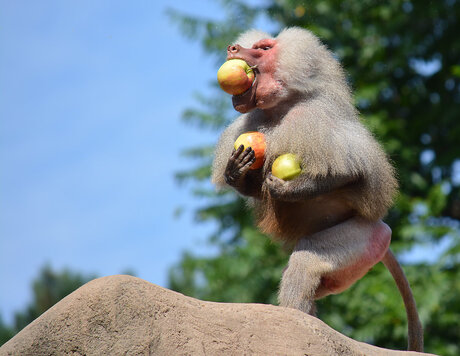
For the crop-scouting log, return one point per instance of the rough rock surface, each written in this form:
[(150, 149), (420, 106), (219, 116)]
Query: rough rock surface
[(123, 315)]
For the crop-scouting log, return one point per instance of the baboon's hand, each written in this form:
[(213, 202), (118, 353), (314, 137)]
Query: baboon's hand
[(238, 165), (277, 187)]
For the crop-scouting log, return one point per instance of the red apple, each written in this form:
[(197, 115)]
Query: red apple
[(255, 140), (235, 76), (286, 167)]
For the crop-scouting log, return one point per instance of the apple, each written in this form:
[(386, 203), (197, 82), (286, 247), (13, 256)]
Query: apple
[(235, 76), (286, 167), (255, 140)]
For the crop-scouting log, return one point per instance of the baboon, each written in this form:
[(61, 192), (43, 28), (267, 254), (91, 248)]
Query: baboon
[(331, 213)]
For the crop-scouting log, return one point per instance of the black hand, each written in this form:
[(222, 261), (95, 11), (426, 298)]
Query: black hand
[(238, 165)]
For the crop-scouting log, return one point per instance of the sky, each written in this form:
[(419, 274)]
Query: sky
[(91, 95)]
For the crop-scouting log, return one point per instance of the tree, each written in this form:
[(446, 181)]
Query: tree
[(6, 332), (403, 60), (48, 289)]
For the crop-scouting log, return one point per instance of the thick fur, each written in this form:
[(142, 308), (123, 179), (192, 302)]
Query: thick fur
[(322, 127)]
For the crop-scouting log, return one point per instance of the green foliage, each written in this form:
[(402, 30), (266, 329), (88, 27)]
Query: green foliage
[(6, 332), (48, 288), (403, 62), (214, 278)]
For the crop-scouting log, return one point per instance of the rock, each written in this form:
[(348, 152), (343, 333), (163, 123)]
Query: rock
[(124, 315)]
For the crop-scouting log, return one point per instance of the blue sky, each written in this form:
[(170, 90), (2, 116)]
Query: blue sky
[(90, 138)]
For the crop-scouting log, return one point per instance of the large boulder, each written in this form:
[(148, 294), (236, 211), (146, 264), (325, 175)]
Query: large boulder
[(124, 315)]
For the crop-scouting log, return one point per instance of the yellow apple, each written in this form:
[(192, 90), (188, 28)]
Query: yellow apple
[(286, 167), (255, 140), (235, 76)]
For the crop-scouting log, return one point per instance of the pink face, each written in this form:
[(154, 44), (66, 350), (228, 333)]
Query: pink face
[(262, 57)]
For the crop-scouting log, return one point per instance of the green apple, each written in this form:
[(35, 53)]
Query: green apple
[(235, 76), (286, 167)]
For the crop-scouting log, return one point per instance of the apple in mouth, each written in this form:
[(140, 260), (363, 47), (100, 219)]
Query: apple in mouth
[(235, 76)]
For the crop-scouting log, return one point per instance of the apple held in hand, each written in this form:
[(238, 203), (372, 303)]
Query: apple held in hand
[(286, 167), (255, 140), (235, 76)]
